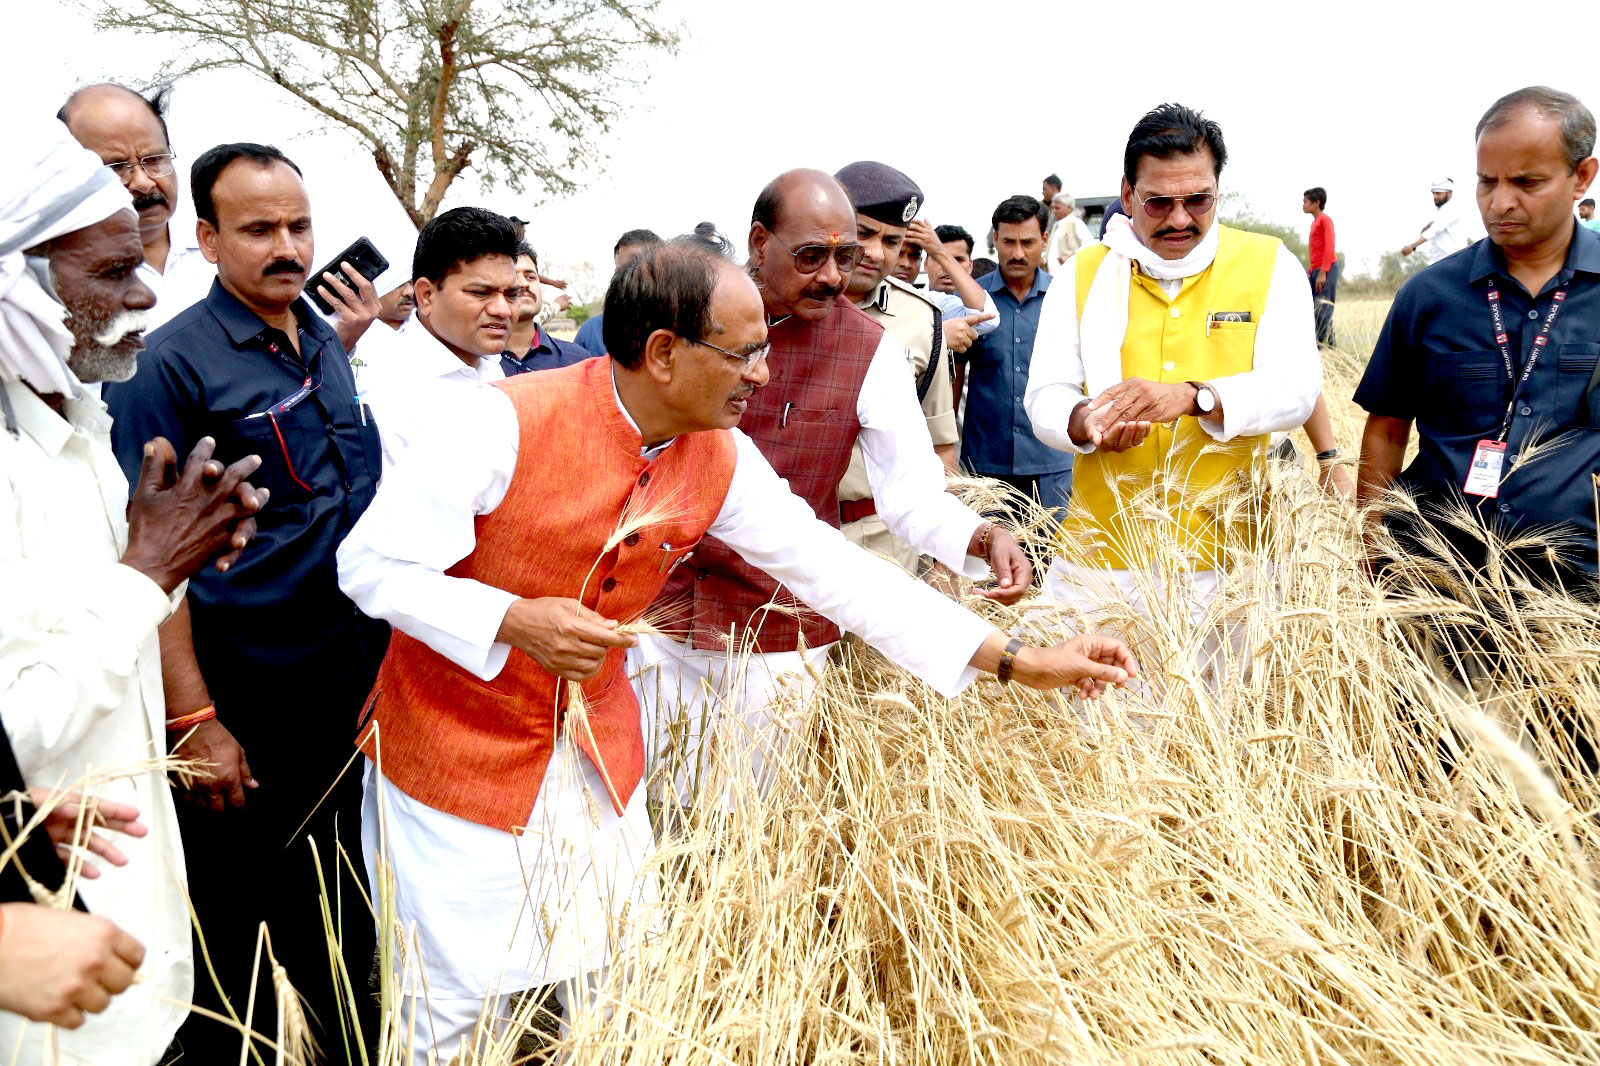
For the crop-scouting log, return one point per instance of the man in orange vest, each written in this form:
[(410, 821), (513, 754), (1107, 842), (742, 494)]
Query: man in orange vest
[(1180, 346), (505, 738)]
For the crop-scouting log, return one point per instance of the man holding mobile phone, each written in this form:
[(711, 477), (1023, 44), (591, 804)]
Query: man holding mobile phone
[(467, 293), (272, 647)]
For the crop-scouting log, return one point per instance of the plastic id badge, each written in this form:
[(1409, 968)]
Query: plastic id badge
[(1483, 478)]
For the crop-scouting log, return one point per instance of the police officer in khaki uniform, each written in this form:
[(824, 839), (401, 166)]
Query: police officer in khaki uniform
[(886, 203)]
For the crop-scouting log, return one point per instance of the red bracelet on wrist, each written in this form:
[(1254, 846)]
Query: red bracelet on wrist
[(188, 721)]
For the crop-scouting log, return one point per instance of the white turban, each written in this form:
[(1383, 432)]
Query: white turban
[(53, 186)]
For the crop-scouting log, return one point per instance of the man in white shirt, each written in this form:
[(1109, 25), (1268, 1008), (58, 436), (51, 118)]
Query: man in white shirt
[(1166, 355), (466, 289), (506, 575), (87, 580), (129, 134), (377, 346), (1067, 235), (1449, 231)]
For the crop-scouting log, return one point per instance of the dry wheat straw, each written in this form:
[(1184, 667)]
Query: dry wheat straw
[(1314, 844)]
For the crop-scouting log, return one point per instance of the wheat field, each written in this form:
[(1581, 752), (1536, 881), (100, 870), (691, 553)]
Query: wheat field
[(1300, 837), (1317, 847)]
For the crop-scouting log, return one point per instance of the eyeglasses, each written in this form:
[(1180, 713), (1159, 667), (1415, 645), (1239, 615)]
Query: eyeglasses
[(1161, 206), (156, 166), (748, 361), (810, 258)]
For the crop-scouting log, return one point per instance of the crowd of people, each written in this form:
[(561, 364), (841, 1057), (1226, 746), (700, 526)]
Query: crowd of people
[(372, 574)]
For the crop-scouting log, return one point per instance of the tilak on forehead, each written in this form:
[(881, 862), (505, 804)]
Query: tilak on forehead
[(833, 238)]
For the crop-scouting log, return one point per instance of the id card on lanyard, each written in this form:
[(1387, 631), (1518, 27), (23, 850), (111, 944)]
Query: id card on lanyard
[(1488, 458)]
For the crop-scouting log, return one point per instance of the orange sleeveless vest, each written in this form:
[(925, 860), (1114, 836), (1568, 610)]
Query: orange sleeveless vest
[(478, 749)]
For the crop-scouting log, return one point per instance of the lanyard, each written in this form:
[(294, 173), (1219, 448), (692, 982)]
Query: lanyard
[(289, 403), (1503, 341)]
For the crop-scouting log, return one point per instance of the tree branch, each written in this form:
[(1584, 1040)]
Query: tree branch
[(429, 86)]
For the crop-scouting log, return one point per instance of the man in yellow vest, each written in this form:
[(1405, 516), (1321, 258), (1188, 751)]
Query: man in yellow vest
[(1180, 347)]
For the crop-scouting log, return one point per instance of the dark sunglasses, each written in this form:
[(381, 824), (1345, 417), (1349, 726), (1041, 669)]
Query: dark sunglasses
[(1161, 206), (810, 258)]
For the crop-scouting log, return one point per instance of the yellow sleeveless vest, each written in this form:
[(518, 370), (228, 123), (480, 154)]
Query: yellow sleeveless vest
[(1177, 476)]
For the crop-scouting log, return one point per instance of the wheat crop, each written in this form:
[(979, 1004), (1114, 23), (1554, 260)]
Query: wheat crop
[(1317, 831)]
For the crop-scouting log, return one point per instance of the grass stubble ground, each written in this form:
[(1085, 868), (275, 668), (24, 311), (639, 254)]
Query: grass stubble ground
[(1320, 848)]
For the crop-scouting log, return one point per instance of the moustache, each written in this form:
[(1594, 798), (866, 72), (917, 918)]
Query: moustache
[(153, 198), (1171, 230), (822, 292), (119, 327), (284, 266)]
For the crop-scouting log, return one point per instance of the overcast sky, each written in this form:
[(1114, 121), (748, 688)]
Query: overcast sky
[(975, 101)]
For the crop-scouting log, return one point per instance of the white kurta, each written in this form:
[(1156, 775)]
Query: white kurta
[(907, 477), (183, 281), (1450, 231), (1277, 393), (407, 375), (392, 565), (80, 690), (1068, 231)]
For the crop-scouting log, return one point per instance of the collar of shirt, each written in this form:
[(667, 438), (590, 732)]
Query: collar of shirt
[(243, 325), (431, 359), (179, 248), (181, 241), (875, 298), (542, 342), (995, 282), (49, 430), (646, 453), (1583, 256)]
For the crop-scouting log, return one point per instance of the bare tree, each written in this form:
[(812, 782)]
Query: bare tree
[(519, 88), (584, 284)]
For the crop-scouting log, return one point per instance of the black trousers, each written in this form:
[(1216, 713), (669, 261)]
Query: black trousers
[(1476, 653), (297, 727), (249, 867)]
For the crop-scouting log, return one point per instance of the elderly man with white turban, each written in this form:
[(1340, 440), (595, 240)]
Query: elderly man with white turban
[(86, 580)]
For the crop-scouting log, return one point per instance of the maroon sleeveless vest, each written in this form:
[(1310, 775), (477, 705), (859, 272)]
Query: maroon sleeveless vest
[(805, 423)]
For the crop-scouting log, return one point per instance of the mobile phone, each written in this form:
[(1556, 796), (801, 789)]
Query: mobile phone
[(363, 255)]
